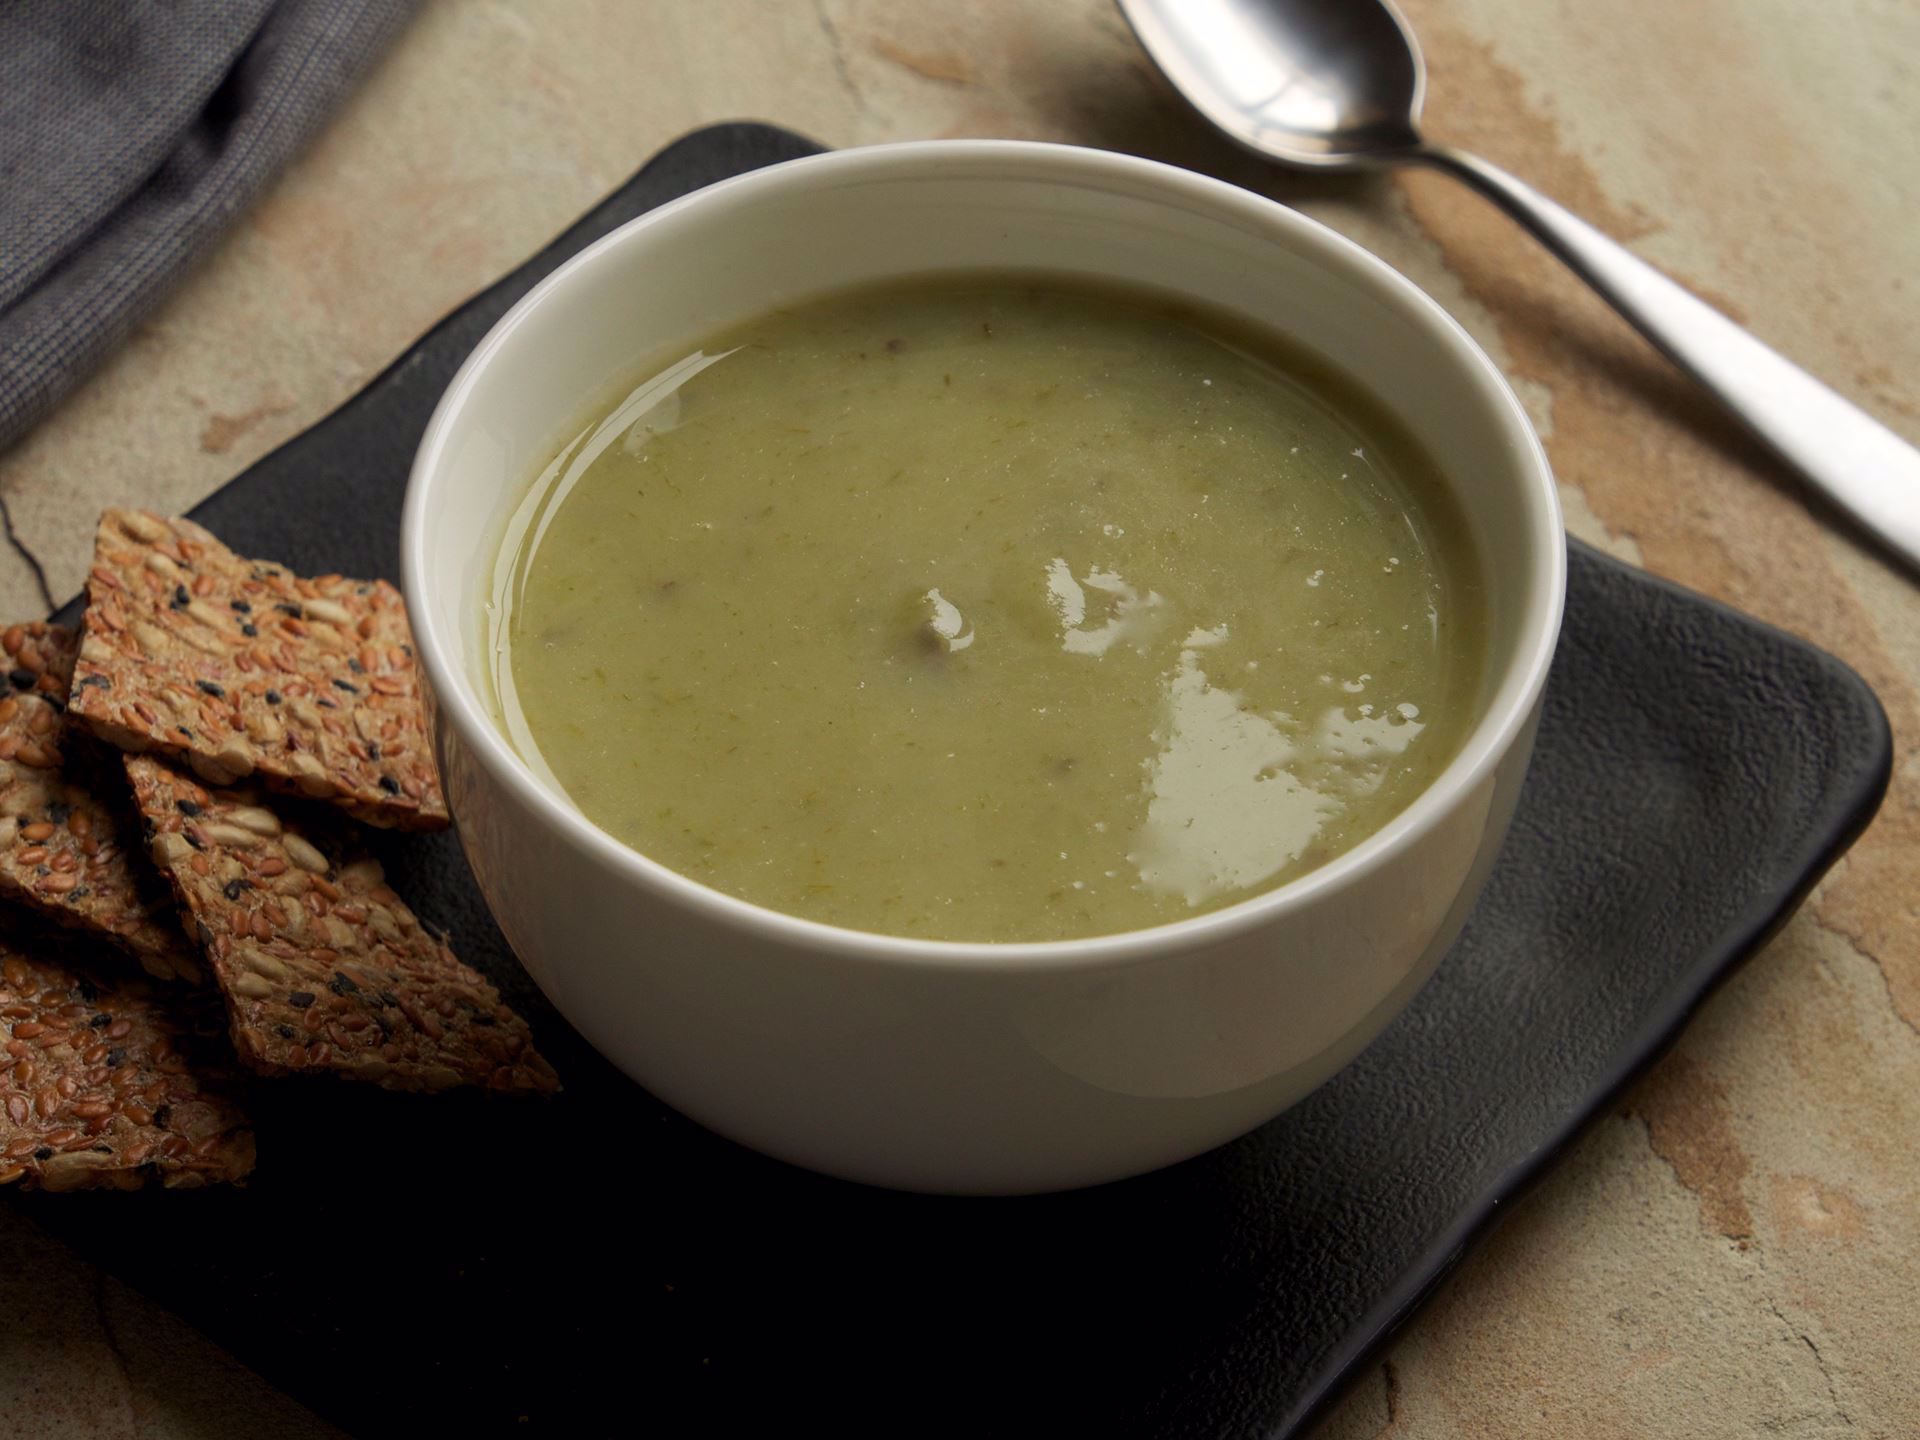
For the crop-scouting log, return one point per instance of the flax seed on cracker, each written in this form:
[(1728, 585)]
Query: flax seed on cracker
[(109, 1081), (66, 818), (324, 968), (240, 668)]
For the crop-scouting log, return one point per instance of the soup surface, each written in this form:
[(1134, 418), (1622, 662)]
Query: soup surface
[(988, 610)]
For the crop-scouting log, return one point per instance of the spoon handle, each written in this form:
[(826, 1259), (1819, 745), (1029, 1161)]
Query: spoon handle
[(1864, 467)]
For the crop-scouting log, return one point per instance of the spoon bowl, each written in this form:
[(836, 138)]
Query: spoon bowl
[(1321, 84)]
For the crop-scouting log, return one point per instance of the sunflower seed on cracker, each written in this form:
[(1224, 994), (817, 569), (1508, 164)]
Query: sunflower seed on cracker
[(322, 965), (111, 1082), (241, 668), (65, 818)]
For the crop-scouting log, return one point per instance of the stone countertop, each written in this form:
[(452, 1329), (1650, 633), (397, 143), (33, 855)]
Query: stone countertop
[(1734, 1250)]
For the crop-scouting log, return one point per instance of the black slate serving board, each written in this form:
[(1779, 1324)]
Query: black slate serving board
[(598, 1265)]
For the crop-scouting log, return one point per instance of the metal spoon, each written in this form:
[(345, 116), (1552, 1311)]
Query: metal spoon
[(1338, 85)]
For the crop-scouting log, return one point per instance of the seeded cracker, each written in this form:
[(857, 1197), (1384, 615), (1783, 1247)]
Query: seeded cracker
[(324, 968), (65, 819), (109, 1082), (241, 668)]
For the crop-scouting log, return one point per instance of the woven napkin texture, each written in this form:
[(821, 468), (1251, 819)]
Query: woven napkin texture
[(131, 133)]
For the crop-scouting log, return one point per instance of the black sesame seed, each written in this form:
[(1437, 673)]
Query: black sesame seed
[(22, 679), (162, 1115), (181, 599), (207, 687), (355, 666), (96, 681), (285, 1032), (286, 609), (300, 999), (242, 606), (45, 1152), (373, 749), (184, 731), (324, 703), (236, 887), (390, 785), (191, 839), (350, 688), (116, 1057), (249, 630), (188, 807), (273, 697), (342, 985)]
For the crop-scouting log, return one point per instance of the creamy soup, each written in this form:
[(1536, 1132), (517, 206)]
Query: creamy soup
[(988, 610)]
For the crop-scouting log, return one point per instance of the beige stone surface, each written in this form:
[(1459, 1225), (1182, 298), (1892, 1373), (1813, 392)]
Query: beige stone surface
[(1736, 1251), (82, 1357)]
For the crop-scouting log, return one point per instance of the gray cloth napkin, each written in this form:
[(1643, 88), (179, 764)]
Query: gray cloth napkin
[(131, 133)]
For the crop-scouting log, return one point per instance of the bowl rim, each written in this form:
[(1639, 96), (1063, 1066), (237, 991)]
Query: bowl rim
[(1515, 696)]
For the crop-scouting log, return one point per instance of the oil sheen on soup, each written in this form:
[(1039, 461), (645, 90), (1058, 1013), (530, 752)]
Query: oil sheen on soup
[(997, 610)]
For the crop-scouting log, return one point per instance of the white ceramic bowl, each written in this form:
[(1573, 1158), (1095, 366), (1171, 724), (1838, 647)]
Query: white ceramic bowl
[(971, 1067)]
